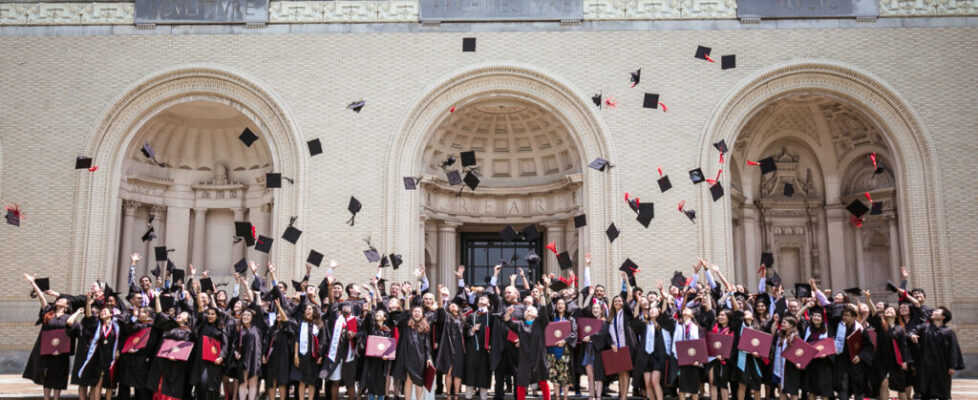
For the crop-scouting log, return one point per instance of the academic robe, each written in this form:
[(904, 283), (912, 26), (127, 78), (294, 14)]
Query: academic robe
[(889, 343), (169, 377), (373, 376), (597, 343), (477, 345), (413, 353), (205, 374), (283, 338), (132, 369), (49, 371), (246, 351), (817, 378), (340, 351), (81, 332), (451, 354), (644, 361), (854, 378), (533, 349), (939, 352)]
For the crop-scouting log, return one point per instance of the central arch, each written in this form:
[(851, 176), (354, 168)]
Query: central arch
[(403, 220)]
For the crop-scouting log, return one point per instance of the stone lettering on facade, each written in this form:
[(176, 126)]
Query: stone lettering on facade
[(501, 10), (201, 11)]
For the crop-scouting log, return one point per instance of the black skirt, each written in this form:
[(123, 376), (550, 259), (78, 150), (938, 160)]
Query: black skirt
[(790, 379), (689, 379), (817, 378)]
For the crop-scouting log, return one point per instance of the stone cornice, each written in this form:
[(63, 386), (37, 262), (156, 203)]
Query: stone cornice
[(406, 11)]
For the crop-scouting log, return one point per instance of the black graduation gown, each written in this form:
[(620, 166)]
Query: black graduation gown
[(342, 349), (477, 373), (451, 354), (373, 376), (100, 363), (247, 343), (854, 378), (598, 343), (169, 377), (132, 369), (206, 374), (643, 361), (284, 338), (413, 353), (49, 371), (817, 378), (939, 352), (533, 349), (82, 332)]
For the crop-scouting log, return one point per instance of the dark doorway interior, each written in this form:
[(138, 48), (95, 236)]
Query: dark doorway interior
[(483, 250)]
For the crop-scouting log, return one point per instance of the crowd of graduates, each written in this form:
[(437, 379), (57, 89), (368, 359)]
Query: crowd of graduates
[(180, 337)]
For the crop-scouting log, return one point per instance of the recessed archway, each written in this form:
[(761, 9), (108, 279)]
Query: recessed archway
[(95, 246), (914, 163)]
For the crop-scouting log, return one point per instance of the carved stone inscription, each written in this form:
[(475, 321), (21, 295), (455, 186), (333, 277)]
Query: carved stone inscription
[(201, 11)]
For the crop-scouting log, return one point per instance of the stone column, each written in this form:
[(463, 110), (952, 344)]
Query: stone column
[(238, 250), (752, 246), (157, 213), (860, 265), (836, 219), (200, 236), (447, 254), (178, 234), (422, 224), (895, 261), (554, 232), (126, 247)]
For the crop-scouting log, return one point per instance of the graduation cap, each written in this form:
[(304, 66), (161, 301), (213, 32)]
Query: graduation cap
[(664, 183), (646, 211), (856, 291), (149, 235), (83, 162), (247, 137), (149, 153), (384, 262), (857, 208), (13, 215), (789, 189), (274, 180), (600, 164), (155, 271), (774, 280), (596, 99), (315, 147), (557, 285), (471, 180), (703, 53), (728, 61), (314, 258), (652, 101), (877, 208), (767, 259), (612, 232), (468, 158), (264, 244), (178, 275), (877, 165), (396, 261), (468, 44), (160, 252), (245, 230), (354, 207), (291, 234), (716, 191), (532, 258), (767, 165), (580, 221), (372, 255), (411, 183), (448, 162), (206, 285), (740, 296), (630, 269), (803, 290), (44, 284), (696, 175), (564, 260), (356, 106), (891, 286), (678, 280), (721, 146), (530, 233), (454, 177), (167, 302), (691, 214), (632, 203), (297, 285), (509, 234), (635, 77)]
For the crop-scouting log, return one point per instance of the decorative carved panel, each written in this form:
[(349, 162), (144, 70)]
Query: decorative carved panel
[(498, 205), (849, 128), (772, 185)]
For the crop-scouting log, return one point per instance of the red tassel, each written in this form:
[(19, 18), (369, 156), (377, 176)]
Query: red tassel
[(856, 222), (15, 210), (682, 204), (753, 162), (873, 157), (452, 110), (721, 158), (660, 172), (714, 181), (552, 247), (868, 197), (93, 168), (610, 101), (664, 108), (708, 58)]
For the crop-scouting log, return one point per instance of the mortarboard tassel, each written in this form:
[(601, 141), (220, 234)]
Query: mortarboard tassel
[(552, 247), (714, 181), (610, 102), (664, 108), (452, 109), (856, 221), (873, 157), (707, 58), (93, 168), (682, 203), (660, 171), (753, 163), (868, 197), (721, 158)]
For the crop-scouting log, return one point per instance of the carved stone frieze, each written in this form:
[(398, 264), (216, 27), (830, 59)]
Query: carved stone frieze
[(907, 8), (556, 199), (397, 11), (653, 9), (604, 9), (709, 9), (350, 11), (789, 230), (66, 13), (218, 192), (772, 185), (296, 12), (956, 7), (146, 185)]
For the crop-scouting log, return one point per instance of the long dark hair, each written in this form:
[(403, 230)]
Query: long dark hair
[(422, 324)]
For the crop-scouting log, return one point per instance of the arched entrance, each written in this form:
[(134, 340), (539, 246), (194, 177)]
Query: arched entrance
[(841, 94), (533, 135), (129, 122)]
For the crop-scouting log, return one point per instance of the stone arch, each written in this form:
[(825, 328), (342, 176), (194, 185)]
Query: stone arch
[(913, 158), (112, 135), (483, 81)]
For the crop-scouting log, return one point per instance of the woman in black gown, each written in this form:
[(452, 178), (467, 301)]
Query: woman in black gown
[(817, 379), (168, 378), (207, 375), (247, 354), (305, 353), (81, 329), (373, 379), (477, 343), (132, 368), (413, 352), (100, 352), (789, 373), (533, 350), (451, 356), (49, 371)]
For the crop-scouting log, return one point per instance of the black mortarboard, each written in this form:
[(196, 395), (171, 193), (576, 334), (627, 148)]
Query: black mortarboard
[(297, 285), (274, 293), (891, 286), (716, 191), (509, 234), (564, 260), (384, 262), (149, 235), (600, 164), (664, 184), (557, 285), (243, 229), (691, 214), (315, 147), (468, 44), (740, 296), (155, 271), (877, 208), (291, 234), (315, 258), (532, 257), (206, 285), (248, 137), (147, 151), (612, 232), (635, 77), (857, 208), (768, 165), (651, 101), (169, 265), (13, 217), (721, 146), (530, 233), (646, 211), (178, 275), (767, 259), (43, 283), (596, 99), (411, 183), (264, 244), (468, 158), (448, 162), (160, 252), (628, 267), (356, 106), (728, 61), (696, 175), (167, 302), (241, 266), (471, 180), (580, 221), (879, 168), (703, 53), (396, 261), (854, 291), (353, 207), (83, 162), (372, 255), (803, 290), (774, 280), (678, 280), (454, 177), (789, 189), (273, 180)]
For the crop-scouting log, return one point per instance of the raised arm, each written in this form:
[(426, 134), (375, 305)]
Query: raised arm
[(587, 270), (131, 277), (818, 294), (88, 304), (526, 283), (872, 306), (40, 295)]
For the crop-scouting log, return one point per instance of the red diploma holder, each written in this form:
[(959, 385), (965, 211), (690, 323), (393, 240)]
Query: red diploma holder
[(587, 327), (211, 350), (719, 345), (55, 342), (825, 347), (429, 377), (512, 336), (691, 351), (557, 331), (616, 362), (855, 344), (137, 341), (800, 353), (755, 341), (379, 346), (177, 350)]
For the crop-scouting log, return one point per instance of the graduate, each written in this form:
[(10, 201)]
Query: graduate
[(595, 344), (413, 352), (478, 339), (207, 375), (788, 375), (940, 355), (532, 351), (167, 377), (817, 378), (689, 375), (648, 324), (298, 345), (559, 356), (450, 359), (50, 371), (373, 379)]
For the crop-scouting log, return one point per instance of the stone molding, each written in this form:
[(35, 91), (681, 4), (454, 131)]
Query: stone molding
[(503, 205)]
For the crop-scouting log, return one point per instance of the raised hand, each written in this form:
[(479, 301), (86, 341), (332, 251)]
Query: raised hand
[(460, 271), (866, 293), (587, 258), (904, 272), (193, 271), (135, 258), (28, 277), (333, 264), (271, 268), (205, 273)]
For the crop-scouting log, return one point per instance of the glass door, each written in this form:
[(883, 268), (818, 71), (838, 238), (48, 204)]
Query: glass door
[(482, 251)]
